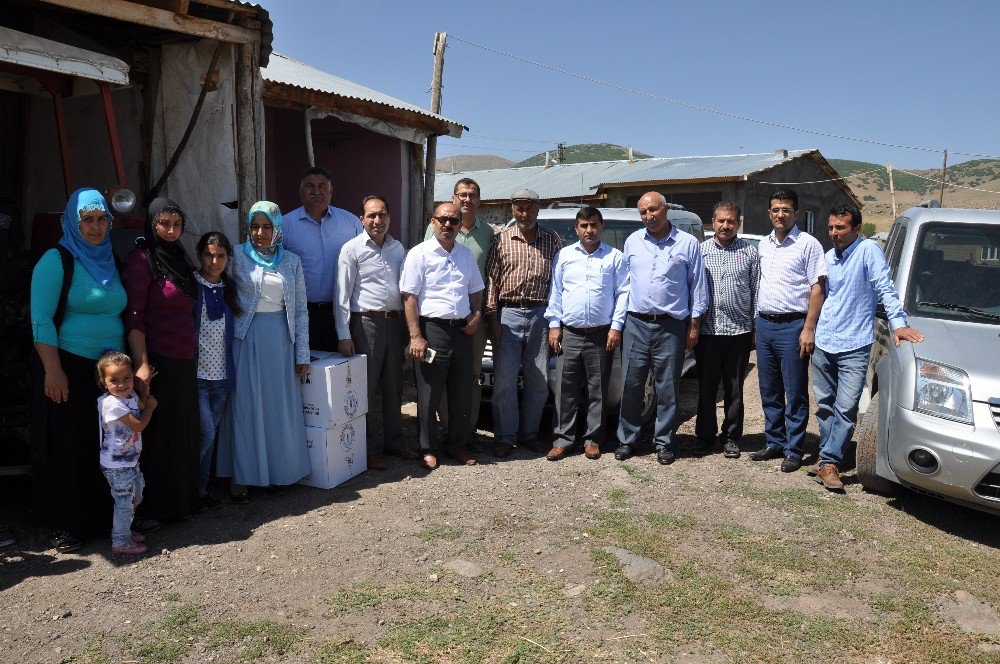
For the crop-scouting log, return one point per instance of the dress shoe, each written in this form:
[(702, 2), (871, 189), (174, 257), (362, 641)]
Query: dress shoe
[(813, 469), (702, 448), (829, 477), (463, 459), (623, 452), (556, 453), (665, 456), (790, 465), (731, 450), (404, 453), (429, 461), (376, 463), (591, 451), (535, 446), (502, 450), (767, 453)]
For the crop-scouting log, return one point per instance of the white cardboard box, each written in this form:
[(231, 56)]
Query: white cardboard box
[(337, 454), (335, 389)]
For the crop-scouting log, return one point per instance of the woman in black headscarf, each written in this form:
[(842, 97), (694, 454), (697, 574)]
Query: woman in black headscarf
[(159, 325)]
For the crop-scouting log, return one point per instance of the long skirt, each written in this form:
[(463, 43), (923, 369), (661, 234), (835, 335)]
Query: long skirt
[(171, 443), (67, 484), (262, 440)]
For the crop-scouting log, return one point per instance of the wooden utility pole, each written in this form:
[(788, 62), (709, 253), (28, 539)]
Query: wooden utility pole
[(430, 161), (944, 176), (892, 189)]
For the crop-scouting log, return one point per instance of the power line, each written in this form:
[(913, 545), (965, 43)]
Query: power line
[(947, 184), (491, 147), (517, 140), (706, 109), (844, 177)]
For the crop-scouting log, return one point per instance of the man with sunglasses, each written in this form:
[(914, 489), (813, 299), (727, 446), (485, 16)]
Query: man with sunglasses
[(442, 294), (519, 267)]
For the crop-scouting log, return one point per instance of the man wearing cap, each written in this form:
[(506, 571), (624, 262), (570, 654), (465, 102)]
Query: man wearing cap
[(586, 313), (519, 271), (369, 315), (315, 233), (476, 235), (667, 297), (442, 294), (789, 297)]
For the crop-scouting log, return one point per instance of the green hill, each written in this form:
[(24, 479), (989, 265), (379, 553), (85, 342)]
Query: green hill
[(584, 152), (875, 176)]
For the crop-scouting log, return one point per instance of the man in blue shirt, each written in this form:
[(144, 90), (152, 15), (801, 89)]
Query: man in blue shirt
[(586, 314), (857, 278), (315, 233), (667, 297)]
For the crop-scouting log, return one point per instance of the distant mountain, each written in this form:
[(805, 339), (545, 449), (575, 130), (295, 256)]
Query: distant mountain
[(576, 154), (471, 162)]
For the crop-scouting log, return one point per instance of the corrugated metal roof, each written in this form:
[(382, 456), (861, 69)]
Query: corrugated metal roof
[(569, 181), (289, 71)]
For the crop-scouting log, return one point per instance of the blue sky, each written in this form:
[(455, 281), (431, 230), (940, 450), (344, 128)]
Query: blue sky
[(915, 73)]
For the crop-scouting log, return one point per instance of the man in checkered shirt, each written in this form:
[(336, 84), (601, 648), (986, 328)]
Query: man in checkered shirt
[(732, 268)]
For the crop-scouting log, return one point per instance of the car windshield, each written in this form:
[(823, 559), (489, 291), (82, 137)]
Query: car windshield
[(956, 273)]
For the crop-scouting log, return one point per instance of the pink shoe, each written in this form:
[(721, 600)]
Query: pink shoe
[(138, 537), (130, 549)]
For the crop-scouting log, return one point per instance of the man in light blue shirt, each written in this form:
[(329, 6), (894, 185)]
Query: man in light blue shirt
[(315, 233), (586, 313), (667, 297), (857, 278)]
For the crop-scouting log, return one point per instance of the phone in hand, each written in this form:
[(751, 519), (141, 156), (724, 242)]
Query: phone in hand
[(429, 355)]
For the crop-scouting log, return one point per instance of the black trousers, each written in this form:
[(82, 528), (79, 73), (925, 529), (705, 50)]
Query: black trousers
[(449, 372), (583, 367), (722, 359), (322, 331)]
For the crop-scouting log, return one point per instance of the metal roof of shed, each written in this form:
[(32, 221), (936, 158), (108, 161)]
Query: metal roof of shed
[(569, 181), (289, 71)]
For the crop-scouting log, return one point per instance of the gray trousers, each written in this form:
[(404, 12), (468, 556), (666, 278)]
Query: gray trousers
[(382, 340), (583, 369), (447, 374)]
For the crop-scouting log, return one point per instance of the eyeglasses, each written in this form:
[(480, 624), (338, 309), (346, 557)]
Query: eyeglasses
[(463, 196), (453, 221), (779, 210)]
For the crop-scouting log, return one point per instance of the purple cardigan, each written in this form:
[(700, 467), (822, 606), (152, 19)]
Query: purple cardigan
[(159, 309)]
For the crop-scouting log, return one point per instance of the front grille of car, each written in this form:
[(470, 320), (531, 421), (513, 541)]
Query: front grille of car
[(995, 411)]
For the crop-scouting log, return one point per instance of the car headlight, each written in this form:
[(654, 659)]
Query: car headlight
[(943, 391), (122, 200)]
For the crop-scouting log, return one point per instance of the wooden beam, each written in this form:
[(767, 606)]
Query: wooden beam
[(228, 5), (132, 12), (179, 6)]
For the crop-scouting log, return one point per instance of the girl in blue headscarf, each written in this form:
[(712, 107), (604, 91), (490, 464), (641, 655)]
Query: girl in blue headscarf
[(262, 441), (66, 474)]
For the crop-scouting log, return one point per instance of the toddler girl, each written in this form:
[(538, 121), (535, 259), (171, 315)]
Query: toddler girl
[(123, 416)]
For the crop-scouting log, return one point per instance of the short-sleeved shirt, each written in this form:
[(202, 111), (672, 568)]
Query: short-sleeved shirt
[(318, 245), (120, 446), (666, 276), (442, 280), (732, 273), (519, 270), (477, 239), (788, 271)]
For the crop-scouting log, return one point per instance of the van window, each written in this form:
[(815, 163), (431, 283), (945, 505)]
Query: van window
[(894, 245)]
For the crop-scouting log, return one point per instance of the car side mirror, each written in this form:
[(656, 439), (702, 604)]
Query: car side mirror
[(880, 312)]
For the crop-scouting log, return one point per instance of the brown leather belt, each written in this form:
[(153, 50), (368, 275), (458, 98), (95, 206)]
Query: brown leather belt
[(376, 314), (522, 304), (587, 330)]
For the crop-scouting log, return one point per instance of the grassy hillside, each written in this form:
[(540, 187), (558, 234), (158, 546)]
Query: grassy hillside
[(862, 177), (584, 152)]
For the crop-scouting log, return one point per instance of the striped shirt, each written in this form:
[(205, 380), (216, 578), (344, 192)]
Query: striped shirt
[(732, 273), (788, 271), (519, 270)]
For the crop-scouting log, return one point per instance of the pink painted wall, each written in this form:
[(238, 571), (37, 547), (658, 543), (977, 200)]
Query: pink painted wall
[(362, 162)]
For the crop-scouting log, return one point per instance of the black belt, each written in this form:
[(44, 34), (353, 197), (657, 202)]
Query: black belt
[(522, 304), (447, 322), (587, 330), (319, 305), (376, 314), (782, 318), (650, 318)]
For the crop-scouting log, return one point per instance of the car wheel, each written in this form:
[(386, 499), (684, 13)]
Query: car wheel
[(866, 452)]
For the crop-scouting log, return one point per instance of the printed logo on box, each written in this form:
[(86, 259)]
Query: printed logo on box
[(348, 436), (351, 402), (310, 409)]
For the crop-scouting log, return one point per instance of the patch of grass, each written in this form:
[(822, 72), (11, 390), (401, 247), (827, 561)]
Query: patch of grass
[(171, 597), (619, 497), (636, 473), (342, 651), (93, 652), (672, 521), (367, 595), (435, 531), (259, 638)]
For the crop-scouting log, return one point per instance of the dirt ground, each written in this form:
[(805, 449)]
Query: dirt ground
[(525, 560)]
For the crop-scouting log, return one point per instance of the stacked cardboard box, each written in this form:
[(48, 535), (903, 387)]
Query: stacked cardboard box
[(334, 403)]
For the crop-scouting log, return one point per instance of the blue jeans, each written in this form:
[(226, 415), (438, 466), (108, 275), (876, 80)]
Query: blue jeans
[(524, 347), (784, 385), (126, 489), (658, 347), (211, 404), (838, 379)]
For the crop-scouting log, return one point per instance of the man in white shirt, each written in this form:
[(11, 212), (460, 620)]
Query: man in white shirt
[(369, 315), (789, 298), (315, 233), (586, 314), (442, 292)]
